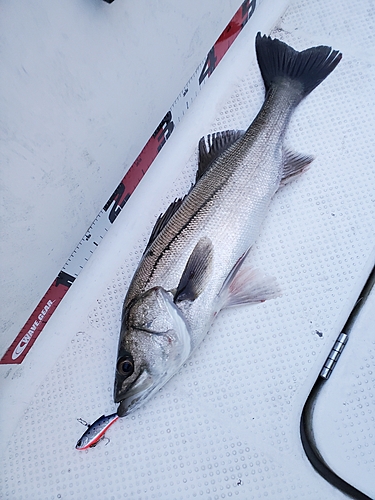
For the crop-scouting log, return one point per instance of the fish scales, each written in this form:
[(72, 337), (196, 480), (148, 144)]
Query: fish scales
[(230, 202), (194, 264)]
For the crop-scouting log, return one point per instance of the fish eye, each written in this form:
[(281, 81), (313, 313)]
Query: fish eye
[(125, 366)]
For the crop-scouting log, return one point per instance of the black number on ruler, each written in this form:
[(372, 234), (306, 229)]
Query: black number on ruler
[(248, 8), (64, 279), (117, 205), (164, 130), (208, 66)]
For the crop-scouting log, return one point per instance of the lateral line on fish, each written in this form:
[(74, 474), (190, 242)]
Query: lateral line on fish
[(195, 215), (22, 343), (227, 208), (228, 174), (187, 223)]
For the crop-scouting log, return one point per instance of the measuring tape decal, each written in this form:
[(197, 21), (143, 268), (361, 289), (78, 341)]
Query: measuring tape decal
[(226, 39), (21, 345)]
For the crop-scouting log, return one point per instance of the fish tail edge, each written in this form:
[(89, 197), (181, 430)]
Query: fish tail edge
[(278, 61)]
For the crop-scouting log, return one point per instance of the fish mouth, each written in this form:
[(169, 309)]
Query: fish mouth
[(139, 391)]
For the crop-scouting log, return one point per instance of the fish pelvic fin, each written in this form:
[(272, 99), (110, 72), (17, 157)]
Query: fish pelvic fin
[(278, 61), (248, 286)]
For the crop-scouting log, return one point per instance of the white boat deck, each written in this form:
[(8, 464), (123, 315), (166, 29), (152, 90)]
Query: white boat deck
[(227, 425)]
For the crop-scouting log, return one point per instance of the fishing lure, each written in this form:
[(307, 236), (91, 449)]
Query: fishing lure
[(95, 431)]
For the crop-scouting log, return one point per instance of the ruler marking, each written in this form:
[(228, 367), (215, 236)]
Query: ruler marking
[(23, 342)]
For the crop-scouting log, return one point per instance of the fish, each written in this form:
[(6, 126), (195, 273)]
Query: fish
[(96, 431), (195, 263)]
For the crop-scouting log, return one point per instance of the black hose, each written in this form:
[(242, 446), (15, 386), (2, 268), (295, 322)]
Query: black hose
[(306, 424)]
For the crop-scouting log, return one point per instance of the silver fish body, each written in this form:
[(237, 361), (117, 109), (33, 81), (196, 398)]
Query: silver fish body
[(194, 265)]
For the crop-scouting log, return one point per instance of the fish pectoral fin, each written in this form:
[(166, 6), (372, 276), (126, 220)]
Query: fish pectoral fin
[(247, 286), (295, 164), (196, 272), (213, 147)]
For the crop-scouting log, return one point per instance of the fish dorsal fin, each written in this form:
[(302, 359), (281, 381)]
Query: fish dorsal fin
[(196, 272), (215, 145), (294, 165), (163, 220)]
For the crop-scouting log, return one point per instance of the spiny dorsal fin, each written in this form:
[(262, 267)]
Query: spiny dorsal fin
[(196, 272), (163, 220), (216, 144)]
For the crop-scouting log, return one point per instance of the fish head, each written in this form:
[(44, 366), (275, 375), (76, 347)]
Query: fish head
[(154, 343)]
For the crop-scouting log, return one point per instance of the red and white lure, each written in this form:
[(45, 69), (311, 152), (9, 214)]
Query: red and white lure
[(95, 431)]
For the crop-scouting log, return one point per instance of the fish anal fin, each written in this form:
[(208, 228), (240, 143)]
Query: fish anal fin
[(248, 286), (196, 272), (295, 164), (212, 147)]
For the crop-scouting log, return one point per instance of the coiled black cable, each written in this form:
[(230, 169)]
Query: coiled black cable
[(306, 424)]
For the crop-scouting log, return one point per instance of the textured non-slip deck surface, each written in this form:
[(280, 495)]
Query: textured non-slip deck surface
[(227, 425), (346, 438)]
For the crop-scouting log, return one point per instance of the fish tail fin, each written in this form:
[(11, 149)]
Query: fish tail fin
[(279, 62)]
